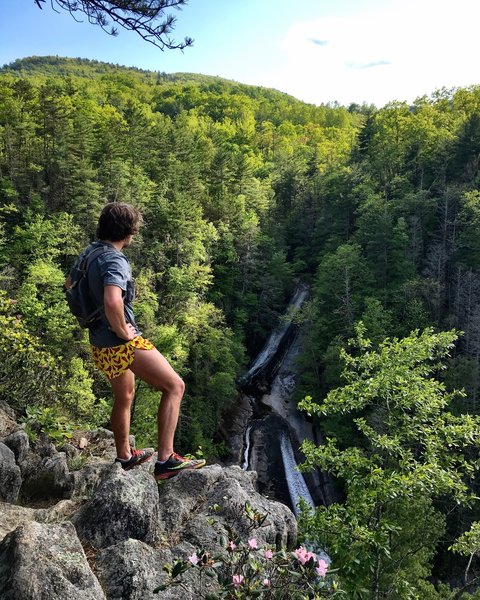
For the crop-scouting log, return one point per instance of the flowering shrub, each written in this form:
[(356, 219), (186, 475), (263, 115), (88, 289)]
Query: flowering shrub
[(252, 570)]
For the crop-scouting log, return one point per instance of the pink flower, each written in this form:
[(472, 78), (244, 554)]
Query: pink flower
[(194, 559), (303, 556), (300, 553), (237, 580), (268, 554), (266, 582), (253, 544), (322, 568), (232, 546)]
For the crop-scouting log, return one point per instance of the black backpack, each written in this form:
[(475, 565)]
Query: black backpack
[(78, 294)]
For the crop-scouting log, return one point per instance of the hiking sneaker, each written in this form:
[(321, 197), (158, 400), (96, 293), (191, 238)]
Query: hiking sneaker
[(174, 464), (137, 458)]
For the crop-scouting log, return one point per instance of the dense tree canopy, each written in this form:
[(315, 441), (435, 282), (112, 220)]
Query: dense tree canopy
[(245, 192)]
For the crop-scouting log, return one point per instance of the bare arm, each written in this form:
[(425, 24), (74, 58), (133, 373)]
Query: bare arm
[(114, 311)]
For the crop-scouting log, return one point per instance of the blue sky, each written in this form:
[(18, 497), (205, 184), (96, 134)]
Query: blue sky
[(319, 51)]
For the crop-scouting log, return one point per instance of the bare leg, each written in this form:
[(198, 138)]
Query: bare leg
[(155, 370), (123, 388)]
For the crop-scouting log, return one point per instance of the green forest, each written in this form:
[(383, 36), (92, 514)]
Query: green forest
[(246, 192)]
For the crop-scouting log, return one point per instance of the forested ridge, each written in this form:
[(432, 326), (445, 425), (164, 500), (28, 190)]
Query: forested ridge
[(245, 192)]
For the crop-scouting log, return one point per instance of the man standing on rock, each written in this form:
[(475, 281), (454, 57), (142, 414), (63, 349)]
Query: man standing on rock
[(121, 352)]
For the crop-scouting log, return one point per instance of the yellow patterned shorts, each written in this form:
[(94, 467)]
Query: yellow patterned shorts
[(116, 360)]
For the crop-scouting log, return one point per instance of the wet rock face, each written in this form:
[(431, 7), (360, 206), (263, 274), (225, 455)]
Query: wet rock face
[(234, 424), (10, 476), (124, 505), (266, 458), (46, 562)]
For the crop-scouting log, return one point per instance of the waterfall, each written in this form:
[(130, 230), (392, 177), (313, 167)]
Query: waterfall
[(273, 343), (247, 448), (274, 363), (297, 487)]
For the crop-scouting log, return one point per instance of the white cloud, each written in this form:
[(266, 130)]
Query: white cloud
[(406, 49)]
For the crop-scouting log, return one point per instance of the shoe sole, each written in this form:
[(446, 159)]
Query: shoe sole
[(164, 476)]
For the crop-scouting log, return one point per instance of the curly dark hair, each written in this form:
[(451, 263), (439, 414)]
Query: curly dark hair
[(117, 221)]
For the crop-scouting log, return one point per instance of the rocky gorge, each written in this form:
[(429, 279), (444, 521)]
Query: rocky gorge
[(74, 525)]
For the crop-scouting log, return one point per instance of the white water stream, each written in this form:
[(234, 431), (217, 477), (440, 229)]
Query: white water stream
[(279, 400), (297, 487), (276, 337), (246, 452)]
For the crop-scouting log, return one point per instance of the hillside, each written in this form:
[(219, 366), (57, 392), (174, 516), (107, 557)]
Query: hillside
[(180, 91), (49, 66), (245, 193)]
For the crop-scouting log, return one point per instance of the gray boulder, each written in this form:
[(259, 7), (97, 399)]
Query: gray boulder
[(19, 444), (131, 570), (50, 479), (46, 562), (13, 515), (124, 505), (186, 501), (10, 476), (43, 446), (86, 479)]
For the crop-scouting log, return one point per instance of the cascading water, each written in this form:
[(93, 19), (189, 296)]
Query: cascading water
[(268, 438), (273, 344), (247, 448), (297, 487), (275, 422)]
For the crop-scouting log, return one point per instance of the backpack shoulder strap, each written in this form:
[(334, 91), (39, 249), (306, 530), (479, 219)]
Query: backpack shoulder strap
[(92, 255)]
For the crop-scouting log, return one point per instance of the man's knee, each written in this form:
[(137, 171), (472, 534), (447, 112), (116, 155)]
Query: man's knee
[(178, 386), (174, 386), (125, 396)]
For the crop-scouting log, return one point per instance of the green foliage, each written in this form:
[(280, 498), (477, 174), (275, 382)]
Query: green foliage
[(245, 191), (49, 421), (411, 451), (28, 372), (78, 397), (32, 375), (469, 221), (469, 542), (246, 570)]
